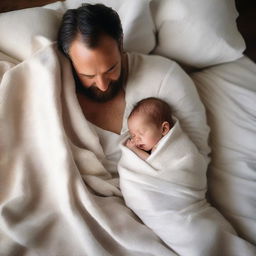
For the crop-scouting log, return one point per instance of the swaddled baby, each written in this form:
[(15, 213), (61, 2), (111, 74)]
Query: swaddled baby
[(163, 180), (149, 121)]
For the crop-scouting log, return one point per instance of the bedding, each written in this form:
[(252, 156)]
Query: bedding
[(59, 195), (197, 33), (40, 23), (61, 142), (167, 191), (26, 22), (45, 206), (229, 94)]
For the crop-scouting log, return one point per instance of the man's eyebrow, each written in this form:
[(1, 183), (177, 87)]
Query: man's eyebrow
[(112, 67)]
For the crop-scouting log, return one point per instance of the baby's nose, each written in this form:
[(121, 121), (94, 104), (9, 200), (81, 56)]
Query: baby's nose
[(137, 140)]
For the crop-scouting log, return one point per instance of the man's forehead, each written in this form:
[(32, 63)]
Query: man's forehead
[(84, 59)]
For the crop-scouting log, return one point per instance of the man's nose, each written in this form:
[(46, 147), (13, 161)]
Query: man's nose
[(102, 83)]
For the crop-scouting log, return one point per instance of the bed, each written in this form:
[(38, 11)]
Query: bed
[(57, 197)]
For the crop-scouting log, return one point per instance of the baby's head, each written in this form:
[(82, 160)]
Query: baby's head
[(148, 122)]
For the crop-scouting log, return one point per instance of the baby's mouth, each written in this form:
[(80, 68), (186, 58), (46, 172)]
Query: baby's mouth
[(141, 146)]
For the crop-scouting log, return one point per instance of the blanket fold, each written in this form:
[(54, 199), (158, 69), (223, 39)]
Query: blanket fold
[(56, 197), (46, 147), (167, 192)]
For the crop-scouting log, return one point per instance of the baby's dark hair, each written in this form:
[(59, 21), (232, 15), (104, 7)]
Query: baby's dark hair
[(156, 109)]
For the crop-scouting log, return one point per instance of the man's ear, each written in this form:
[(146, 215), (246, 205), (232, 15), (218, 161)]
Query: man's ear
[(165, 128), (121, 44)]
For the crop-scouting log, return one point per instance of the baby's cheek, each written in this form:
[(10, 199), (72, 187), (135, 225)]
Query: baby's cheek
[(133, 141)]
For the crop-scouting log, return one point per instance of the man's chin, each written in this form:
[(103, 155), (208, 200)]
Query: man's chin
[(99, 96)]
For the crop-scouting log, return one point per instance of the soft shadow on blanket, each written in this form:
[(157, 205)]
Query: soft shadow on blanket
[(46, 208), (167, 191)]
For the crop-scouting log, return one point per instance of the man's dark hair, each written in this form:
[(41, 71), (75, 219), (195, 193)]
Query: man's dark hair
[(90, 21)]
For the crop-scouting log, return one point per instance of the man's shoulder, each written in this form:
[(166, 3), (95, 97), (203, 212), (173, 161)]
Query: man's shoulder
[(149, 61), (146, 75), (148, 57)]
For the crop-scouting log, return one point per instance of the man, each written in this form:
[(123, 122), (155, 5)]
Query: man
[(92, 38), (109, 81)]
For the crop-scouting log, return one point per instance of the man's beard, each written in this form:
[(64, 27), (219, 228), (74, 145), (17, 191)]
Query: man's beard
[(96, 94)]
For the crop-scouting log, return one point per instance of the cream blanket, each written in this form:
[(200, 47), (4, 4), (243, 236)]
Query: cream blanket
[(46, 146), (56, 198), (167, 191)]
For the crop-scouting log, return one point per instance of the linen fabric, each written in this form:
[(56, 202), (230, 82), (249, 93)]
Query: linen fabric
[(229, 94), (197, 33), (47, 146)]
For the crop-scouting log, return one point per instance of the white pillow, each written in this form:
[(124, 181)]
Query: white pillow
[(135, 16), (197, 33), (229, 94), (20, 29)]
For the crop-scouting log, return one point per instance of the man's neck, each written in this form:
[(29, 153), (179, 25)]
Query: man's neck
[(106, 115)]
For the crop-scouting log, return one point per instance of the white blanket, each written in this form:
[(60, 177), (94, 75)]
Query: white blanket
[(46, 147), (229, 94), (167, 191)]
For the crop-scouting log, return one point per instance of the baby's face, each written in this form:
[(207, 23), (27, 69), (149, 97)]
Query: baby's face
[(144, 133)]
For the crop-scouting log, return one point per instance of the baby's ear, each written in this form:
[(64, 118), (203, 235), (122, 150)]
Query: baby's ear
[(165, 128)]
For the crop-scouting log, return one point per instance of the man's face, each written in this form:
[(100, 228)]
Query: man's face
[(100, 69)]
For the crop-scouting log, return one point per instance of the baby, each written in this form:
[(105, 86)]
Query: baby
[(148, 122), (167, 188)]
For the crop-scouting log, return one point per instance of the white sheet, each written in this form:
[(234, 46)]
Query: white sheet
[(229, 94)]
